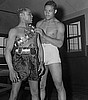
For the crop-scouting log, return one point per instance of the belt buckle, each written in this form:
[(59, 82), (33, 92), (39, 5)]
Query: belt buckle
[(33, 51), (19, 50)]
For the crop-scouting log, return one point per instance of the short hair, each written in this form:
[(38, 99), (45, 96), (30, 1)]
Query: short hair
[(21, 10), (51, 3)]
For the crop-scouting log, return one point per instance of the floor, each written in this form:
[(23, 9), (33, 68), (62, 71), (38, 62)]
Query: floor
[(24, 93)]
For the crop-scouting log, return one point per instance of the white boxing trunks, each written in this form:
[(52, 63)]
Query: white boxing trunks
[(51, 54)]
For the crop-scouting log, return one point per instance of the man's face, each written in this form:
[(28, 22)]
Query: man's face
[(28, 16), (49, 12)]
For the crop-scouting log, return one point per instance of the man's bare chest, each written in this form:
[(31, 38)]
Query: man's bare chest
[(50, 29)]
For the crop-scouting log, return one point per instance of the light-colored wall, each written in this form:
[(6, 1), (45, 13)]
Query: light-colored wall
[(79, 13)]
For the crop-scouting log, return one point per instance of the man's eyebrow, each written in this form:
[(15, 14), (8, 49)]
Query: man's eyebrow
[(29, 12)]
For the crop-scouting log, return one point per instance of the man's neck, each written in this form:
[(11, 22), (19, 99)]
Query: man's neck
[(50, 20), (24, 24)]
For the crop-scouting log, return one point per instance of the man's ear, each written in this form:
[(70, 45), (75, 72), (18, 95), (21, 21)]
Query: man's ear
[(21, 14), (55, 11)]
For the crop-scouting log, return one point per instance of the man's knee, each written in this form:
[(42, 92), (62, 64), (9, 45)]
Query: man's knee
[(59, 86), (14, 91), (34, 91), (13, 95), (43, 81), (42, 86)]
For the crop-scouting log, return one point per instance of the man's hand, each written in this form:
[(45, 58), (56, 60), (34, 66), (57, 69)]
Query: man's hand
[(40, 31), (14, 76), (41, 69)]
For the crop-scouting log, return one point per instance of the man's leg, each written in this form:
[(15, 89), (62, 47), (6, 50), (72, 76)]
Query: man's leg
[(15, 90), (43, 84), (56, 72), (34, 89)]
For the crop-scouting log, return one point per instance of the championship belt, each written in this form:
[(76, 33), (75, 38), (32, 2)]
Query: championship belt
[(27, 50), (29, 34), (30, 31)]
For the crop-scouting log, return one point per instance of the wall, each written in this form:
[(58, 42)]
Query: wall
[(82, 12), (75, 69), (7, 20)]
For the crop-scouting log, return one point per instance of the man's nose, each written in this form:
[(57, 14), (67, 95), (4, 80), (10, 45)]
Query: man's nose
[(47, 13)]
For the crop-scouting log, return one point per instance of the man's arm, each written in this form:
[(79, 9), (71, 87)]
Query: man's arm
[(41, 68), (10, 42), (41, 53), (58, 41)]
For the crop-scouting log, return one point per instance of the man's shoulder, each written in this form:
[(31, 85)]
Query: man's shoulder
[(13, 31), (60, 27), (39, 23), (59, 24)]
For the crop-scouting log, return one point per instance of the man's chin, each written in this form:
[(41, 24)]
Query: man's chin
[(29, 22), (48, 18)]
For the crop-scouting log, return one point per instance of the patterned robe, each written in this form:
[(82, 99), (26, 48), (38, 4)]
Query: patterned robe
[(25, 59)]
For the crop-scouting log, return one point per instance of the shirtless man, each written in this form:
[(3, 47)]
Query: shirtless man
[(52, 33), (26, 48)]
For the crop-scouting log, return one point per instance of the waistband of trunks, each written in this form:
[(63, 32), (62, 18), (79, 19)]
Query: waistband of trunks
[(26, 50)]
